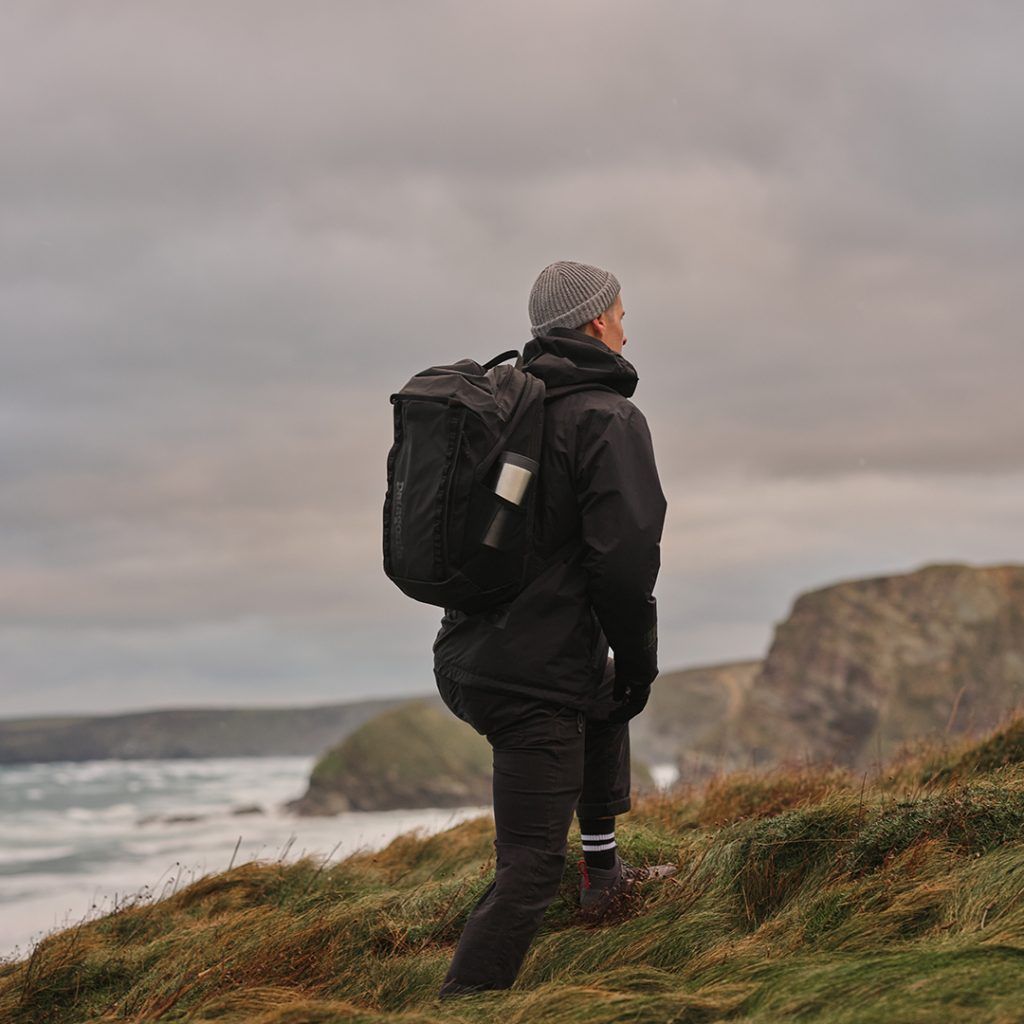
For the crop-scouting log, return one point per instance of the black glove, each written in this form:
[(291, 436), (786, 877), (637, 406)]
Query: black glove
[(632, 697)]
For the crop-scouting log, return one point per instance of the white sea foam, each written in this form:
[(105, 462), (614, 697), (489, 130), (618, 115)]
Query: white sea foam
[(34, 854), (75, 837), (664, 775), (71, 842)]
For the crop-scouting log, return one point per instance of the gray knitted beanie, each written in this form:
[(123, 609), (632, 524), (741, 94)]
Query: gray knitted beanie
[(568, 294)]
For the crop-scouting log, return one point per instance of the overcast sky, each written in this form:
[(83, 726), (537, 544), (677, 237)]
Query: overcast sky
[(228, 231)]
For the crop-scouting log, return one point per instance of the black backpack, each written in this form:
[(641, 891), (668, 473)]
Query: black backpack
[(462, 482)]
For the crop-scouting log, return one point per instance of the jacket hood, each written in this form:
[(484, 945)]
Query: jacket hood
[(564, 356)]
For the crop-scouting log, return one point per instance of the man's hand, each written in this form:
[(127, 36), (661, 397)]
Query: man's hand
[(632, 697)]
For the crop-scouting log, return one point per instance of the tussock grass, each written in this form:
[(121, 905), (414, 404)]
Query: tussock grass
[(803, 894)]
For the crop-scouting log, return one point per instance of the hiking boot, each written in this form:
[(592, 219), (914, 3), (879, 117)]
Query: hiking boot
[(604, 890)]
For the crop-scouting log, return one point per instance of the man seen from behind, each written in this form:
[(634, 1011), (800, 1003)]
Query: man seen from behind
[(534, 675)]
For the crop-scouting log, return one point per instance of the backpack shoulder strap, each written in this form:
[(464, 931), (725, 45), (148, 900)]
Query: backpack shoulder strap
[(535, 564)]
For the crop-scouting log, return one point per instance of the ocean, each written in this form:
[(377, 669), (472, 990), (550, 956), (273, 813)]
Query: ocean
[(75, 839)]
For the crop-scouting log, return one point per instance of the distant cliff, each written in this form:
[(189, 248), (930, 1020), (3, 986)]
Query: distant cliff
[(415, 755), (185, 732), (861, 666), (684, 716), (856, 669)]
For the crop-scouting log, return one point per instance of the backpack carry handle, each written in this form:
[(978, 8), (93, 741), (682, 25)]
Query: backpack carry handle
[(500, 359)]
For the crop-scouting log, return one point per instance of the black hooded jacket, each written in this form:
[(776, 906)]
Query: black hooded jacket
[(601, 510)]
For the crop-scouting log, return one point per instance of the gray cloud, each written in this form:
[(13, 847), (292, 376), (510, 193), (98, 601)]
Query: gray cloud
[(228, 231)]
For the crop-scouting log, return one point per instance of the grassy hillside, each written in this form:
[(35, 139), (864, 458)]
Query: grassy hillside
[(811, 895), (416, 755)]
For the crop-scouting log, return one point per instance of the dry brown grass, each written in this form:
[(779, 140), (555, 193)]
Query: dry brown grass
[(803, 894)]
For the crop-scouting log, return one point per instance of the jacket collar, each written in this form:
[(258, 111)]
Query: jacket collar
[(566, 356)]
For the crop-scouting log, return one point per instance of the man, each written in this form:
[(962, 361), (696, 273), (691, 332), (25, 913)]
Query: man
[(534, 675)]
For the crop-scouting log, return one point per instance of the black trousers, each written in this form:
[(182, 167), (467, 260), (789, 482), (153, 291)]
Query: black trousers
[(549, 761)]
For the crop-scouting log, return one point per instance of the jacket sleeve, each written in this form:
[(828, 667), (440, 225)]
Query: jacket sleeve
[(622, 508)]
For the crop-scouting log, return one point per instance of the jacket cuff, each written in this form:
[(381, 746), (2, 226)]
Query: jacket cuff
[(639, 664)]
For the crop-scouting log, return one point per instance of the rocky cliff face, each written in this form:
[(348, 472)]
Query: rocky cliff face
[(685, 715), (863, 665)]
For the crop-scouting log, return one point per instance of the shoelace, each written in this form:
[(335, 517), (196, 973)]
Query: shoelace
[(582, 864)]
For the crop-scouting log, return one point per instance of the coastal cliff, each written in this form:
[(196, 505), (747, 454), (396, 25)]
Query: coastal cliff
[(862, 666)]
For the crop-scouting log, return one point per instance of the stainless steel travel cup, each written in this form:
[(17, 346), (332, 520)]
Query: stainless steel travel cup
[(515, 474)]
